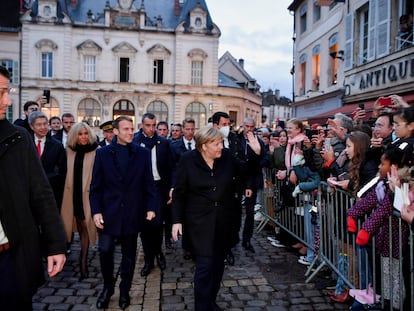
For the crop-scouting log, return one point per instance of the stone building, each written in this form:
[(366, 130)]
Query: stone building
[(351, 52), (105, 58)]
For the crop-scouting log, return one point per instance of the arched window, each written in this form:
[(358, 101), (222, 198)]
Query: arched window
[(124, 108), (198, 112), (159, 109), (51, 109), (90, 111)]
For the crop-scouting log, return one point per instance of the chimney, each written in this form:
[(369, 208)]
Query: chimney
[(277, 94), (241, 62), (176, 7)]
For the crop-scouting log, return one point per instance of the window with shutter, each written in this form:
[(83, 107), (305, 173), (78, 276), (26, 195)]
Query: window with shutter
[(383, 28), (349, 42)]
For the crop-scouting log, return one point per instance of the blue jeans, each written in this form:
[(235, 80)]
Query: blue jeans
[(309, 233)]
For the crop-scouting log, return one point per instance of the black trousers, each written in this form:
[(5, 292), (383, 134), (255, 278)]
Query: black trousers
[(249, 219), (106, 256), (207, 279), (152, 232), (10, 295)]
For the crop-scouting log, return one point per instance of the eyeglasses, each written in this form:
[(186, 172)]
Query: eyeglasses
[(6, 90)]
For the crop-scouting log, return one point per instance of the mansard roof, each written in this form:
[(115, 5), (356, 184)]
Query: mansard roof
[(78, 10)]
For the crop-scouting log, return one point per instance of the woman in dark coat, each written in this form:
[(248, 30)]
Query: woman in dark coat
[(203, 211)]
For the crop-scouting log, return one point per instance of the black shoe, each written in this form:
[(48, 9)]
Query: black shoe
[(187, 255), (161, 261), (124, 300), (169, 244), (146, 269), (248, 247), (230, 258), (103, 299), (84, 275)]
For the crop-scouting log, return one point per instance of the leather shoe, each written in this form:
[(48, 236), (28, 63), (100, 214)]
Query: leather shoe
[(230, 258), (187, 255), (146, 269), (248, 246), (124, 300), (341, 297), (103, 299), (161, 261)]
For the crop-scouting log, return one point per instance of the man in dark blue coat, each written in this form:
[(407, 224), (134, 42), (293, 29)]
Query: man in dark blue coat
[(122, 196), (30, 225), (163, 165)]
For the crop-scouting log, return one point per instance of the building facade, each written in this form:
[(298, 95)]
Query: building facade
[(351, 52), (318, 57), (101, 59)]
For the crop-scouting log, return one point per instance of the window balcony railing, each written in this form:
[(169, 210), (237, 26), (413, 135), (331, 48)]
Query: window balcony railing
[(404, 40)]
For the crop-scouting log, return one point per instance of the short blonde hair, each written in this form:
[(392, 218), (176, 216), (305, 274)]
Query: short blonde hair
[(74, 132), (206, 135)]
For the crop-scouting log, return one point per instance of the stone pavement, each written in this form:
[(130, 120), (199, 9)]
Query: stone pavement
[(271, 279)]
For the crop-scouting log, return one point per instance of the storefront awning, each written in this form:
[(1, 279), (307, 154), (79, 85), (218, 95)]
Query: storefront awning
[(346, 109)]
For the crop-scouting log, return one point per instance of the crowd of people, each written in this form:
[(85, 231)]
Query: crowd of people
[(367, 156), (161, 183)]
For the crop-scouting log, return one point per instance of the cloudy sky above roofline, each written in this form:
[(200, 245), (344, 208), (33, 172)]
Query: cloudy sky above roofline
[(260, 32)]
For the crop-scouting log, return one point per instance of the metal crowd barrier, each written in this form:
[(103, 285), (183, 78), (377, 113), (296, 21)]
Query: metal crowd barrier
[(359, 267)]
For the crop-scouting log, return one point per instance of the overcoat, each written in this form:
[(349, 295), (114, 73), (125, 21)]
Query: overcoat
[(67, 203), (28, 209), (123, 200), (54, 163), (203, 201)]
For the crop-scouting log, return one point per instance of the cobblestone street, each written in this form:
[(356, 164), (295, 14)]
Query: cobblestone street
[(271, 279)]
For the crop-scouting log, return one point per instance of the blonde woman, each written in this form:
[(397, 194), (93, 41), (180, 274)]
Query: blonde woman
[(76, 211)]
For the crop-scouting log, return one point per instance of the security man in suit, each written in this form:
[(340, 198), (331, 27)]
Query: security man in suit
[(163, 164)]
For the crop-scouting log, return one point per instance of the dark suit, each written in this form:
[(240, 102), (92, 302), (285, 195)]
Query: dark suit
[(59, 135), (254, 166), (123, 200), (179, 148), (27, 208), (152, 234), (203, 202), (54, 163)]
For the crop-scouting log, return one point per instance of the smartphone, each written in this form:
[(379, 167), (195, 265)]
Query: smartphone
[(46, 93), (343, 176), (308, 133), (385, 101), (314, 132), (362, 106)]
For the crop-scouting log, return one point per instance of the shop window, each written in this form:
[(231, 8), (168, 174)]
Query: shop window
[(159, 109), (90, 112), (198, 112)]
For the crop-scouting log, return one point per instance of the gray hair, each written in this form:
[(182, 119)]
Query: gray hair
[(346, 122), (36, 115), (249, 119)]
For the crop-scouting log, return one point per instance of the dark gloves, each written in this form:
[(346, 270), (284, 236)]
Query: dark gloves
[(352, 224), (362, 237)]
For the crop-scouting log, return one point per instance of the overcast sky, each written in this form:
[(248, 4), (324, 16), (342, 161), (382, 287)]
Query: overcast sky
[(260, 32)]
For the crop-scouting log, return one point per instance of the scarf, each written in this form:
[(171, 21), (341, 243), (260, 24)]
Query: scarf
[(149, 142), (289, 152)]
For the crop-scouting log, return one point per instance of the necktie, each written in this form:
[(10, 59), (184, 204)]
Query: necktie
[(189, 146), (39, 148)]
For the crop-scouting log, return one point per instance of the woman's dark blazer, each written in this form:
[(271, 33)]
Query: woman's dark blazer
[(203, 201)]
